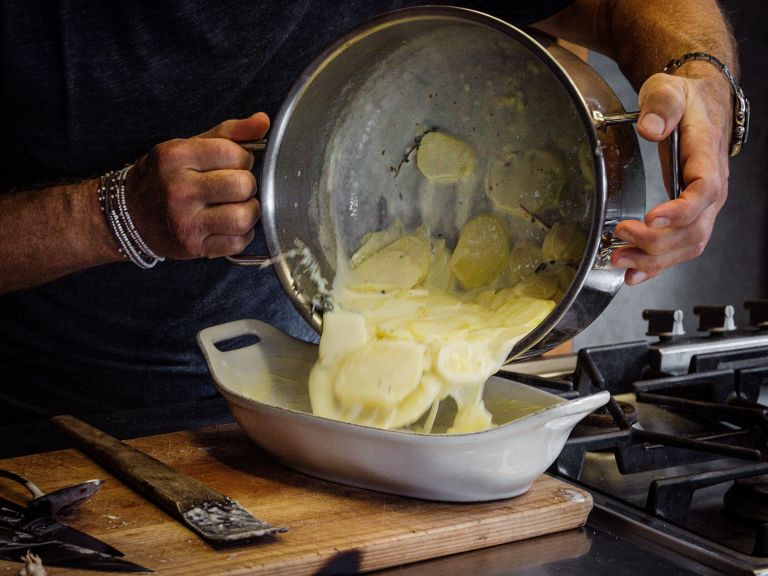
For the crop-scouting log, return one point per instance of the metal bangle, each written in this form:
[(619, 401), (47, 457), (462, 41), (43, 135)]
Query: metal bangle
[(740, 101)]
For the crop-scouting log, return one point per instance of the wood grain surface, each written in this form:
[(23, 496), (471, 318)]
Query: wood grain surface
[(333, 529)]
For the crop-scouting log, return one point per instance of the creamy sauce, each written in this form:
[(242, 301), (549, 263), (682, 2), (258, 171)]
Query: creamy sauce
[(415, 322), (397, 343)]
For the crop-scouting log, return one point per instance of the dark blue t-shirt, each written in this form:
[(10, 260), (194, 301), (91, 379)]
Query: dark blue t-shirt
[(88, 86)]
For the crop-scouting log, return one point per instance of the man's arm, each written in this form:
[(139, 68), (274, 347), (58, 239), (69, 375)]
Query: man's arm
[(188, 199), (50, 232), (642, 36)]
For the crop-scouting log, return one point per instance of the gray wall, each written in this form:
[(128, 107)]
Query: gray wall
[(734, 267)]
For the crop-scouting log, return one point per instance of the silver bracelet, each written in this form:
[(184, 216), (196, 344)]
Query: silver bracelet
[(111, 194), (740, 102)]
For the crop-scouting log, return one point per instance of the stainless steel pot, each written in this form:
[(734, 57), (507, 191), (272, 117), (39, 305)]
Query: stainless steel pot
[(337, 165)]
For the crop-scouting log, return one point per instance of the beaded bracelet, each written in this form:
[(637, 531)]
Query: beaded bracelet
[(111, 194), (740, 102)]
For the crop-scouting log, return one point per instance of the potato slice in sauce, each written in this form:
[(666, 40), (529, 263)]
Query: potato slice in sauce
[(443, 158)]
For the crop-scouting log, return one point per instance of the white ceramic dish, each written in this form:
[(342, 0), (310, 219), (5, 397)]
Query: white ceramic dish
[(265, 385)]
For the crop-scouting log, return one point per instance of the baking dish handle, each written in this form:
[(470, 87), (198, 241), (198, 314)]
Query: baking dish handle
[(568, 414), (270, 339), (209, 337)]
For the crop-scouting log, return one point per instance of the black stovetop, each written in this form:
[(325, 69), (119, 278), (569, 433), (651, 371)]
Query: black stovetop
[(686, 452)]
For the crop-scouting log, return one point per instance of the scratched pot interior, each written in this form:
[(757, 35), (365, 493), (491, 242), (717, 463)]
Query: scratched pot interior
[(467, 81)]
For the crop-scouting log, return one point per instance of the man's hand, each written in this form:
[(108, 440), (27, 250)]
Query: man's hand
[(194, 197), (187, 198), (642, 36), (679, 230)]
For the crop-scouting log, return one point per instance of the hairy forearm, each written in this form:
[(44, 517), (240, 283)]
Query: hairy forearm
[(50, 232), (642, 36)]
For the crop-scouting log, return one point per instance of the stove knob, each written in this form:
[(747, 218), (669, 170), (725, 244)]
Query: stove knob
[(758, 313), (664, 323), (715, 318)]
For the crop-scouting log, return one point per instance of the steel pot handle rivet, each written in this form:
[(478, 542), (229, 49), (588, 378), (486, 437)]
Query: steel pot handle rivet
[(608, 243)]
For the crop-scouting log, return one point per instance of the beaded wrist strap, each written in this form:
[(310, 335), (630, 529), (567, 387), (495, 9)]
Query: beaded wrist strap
[(111, 193), (740, 102)]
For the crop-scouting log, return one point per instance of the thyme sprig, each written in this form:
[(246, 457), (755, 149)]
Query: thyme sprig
[(535, 217), (409, 152)]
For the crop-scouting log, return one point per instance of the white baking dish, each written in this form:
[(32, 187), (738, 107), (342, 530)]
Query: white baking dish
[(265, 385)]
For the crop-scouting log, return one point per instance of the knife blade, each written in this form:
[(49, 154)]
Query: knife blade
[(57, 501), (18, 517), (216, 518), (14, 543)]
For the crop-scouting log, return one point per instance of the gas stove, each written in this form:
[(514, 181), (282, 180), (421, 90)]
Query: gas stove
[(680, 453)]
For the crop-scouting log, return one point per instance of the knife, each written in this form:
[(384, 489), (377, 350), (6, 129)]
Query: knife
[(57, 501), (14, 543), (17, 517), (216, 518)]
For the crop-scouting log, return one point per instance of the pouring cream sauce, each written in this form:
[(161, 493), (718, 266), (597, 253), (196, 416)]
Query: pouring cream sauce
[(415, 323), (387, 358)]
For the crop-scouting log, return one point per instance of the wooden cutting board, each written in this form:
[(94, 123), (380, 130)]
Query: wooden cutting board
[(333, 529)]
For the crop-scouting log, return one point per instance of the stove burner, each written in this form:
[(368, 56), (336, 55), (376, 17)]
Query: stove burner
[(602, 418), (747, 499)]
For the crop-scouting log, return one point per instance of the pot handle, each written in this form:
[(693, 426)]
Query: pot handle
[(604, 121), (249, 260), (254, 145), (251, 146), (609, 242)]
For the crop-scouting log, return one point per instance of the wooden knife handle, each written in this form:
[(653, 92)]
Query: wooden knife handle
[(168, 488)]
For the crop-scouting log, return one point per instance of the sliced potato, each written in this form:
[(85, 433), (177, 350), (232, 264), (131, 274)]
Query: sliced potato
[(442, 158), (481, 252), (564, 243), (461, 363), (525, 311), (439, 275), (485, 298), (416, 404), (528, 181), (564, 276), (443, 324), (502, 297), (389, 270), (341, 322), (418, 250), (523, 261), (394, 329), (375, 241), (537, 286), (402, 264), (380, 374)]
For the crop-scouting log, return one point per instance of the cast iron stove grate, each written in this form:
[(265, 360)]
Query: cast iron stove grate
[(677, 442)]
